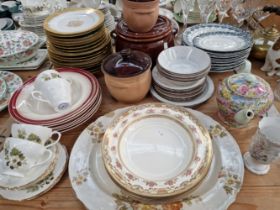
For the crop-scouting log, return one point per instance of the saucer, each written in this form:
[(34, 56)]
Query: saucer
[(96, 190), (41, 186), (32, 176), (13, 82), (205, 95)]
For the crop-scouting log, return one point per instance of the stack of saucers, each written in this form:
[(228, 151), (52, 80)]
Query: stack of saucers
[(109, 19), (228, 46), (86, 99), (174, 143), (180, 76), (33, 21), (77, 38)]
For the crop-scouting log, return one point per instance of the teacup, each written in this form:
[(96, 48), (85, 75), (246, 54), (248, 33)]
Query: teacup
[(265, 146), (35, 133), (21, 156), (52, 88)]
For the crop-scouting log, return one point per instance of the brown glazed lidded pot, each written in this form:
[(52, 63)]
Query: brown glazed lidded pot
[(127, 75), (152, 42), (140, 16)]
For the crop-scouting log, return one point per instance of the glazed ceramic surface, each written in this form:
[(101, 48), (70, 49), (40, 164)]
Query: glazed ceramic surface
[(26, 110), (184, 60), (17, 46), (152, 42), (13, 82), (191, 32), (204, 96), (35, 133), (94, 187), (47, 84), (148, 129), (32, 64), (241, 92), (3, 88), (31, 177), (42, 185), (74, 21), (222, 41), (21, 156)]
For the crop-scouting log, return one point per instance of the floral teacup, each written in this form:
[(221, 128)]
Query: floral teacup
[(20, 156), (265, 146), (52, 88), (35, 133)]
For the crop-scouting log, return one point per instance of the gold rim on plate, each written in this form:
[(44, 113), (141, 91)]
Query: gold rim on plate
[(189, 176)]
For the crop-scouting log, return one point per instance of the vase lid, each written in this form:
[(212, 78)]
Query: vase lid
[(248, 85)]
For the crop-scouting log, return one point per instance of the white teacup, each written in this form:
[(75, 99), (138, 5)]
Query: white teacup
[(52, 88), (21, 156), (35, 133)]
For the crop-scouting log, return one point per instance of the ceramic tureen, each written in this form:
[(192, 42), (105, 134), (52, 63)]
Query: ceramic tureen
[(241, 97)]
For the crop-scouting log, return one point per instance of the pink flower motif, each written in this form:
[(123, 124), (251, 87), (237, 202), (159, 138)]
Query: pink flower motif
[(169, 182), (113, 148), (151, 184), (150, 111), (130, 176), (243, 89), (189, 172), (118, 164), (115, 135), (198, 141), (259, 90), (197, 159)]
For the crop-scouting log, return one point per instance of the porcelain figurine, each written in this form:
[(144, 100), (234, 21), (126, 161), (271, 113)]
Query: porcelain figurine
[(272, 61), (241, 97)]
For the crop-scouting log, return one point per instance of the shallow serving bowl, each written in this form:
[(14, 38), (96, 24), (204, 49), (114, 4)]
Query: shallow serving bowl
[(157, 150), (183, 61), (17, 46)]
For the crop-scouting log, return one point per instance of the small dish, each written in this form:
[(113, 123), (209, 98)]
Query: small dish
[(176, 146), (128, 75), (3, 88), (183, 60)]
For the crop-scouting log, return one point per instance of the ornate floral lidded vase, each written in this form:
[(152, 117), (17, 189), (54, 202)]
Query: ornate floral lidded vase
[(242, 96)]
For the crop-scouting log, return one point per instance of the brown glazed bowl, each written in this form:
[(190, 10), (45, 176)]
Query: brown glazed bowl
[(127, 75), (140, 16), (152, 42)]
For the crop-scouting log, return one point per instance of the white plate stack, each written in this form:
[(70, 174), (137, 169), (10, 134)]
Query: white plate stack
[(109, 19), (180, 76)]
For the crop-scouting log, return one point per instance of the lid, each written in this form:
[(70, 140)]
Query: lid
[(127, 63), (162, 26), (248, 85), (271, 32)]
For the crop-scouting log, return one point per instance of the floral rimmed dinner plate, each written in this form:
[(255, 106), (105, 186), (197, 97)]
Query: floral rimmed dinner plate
[(94, 187), (42, 186), (33, 63), (13, 82), (174, 143), (31, 177)]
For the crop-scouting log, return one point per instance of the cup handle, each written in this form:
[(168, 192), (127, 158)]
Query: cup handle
[(39, 97), (56, 141), (44, 161)]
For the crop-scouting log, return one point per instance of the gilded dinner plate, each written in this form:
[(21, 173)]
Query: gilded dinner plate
[(74, 21), (96, 190), (176, 146)]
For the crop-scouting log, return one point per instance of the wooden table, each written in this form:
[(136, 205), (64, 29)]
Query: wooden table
[(257, 193)]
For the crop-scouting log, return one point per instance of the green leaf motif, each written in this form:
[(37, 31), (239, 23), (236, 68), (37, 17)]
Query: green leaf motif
[(21, 134), (33, 137)]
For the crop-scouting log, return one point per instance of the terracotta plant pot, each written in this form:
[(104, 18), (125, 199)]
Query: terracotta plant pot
[(140, 16), (128, 75)]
